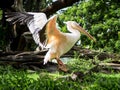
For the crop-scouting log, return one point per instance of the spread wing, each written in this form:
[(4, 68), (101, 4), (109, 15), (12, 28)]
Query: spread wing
[(35, 22), (20, 17), (51, 31), (51, 28)]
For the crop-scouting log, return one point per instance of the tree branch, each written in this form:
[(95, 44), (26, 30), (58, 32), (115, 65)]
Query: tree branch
[(57, 5)]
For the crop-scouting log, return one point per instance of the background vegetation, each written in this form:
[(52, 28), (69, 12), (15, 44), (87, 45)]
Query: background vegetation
[(101, 18)]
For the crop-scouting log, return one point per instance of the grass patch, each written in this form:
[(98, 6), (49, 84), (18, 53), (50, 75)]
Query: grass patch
[(101, 81), (80, 65), (22, 80), (12, 79)]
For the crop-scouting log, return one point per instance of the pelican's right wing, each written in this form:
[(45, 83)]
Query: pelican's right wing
[(34, 21), (20, 17)]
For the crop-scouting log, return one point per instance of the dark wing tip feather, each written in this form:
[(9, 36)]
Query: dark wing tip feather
[(20, 17)]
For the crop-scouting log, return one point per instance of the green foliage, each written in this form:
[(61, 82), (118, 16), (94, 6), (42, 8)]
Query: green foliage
[(101, 18), (3, 41), (3, 32), (36, 6), (0, 14), (80, 65), (102, 82), (12, 79)]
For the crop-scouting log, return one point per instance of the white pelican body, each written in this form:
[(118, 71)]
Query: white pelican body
[(57, 42), (62, 45)]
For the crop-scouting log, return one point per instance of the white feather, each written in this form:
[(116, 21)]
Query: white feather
[(35, 25)]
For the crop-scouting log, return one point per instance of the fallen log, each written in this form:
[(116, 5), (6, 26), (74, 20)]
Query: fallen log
[(29, 59), (82, 53)]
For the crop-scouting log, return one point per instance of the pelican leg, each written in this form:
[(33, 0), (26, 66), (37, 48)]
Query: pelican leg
[(61, 65)]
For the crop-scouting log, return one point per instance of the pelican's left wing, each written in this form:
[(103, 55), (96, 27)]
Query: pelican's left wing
[(35, 22), (51, 30)]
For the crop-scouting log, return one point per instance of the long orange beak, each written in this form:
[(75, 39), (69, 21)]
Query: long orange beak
[(77, 27)]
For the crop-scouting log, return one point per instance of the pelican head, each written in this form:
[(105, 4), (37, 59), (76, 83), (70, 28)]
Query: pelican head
[(72, 26)]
